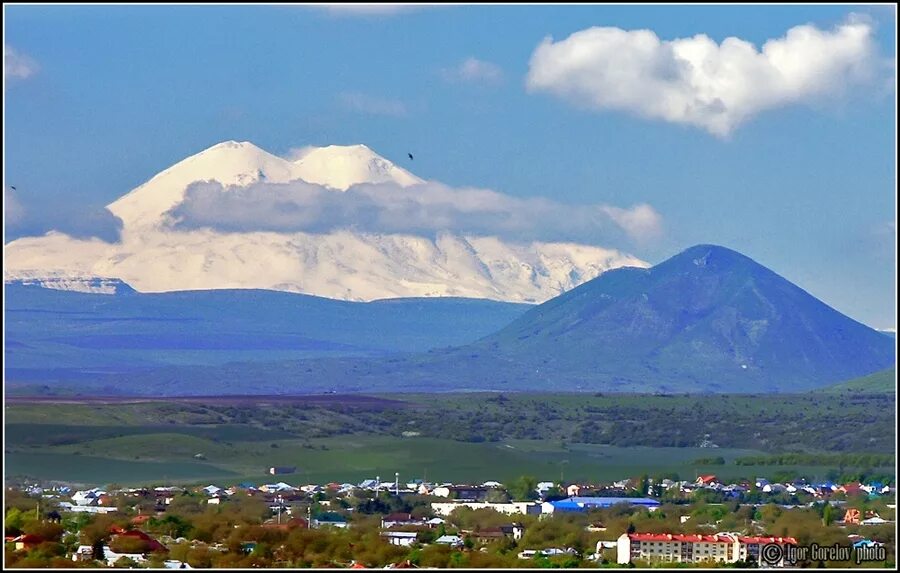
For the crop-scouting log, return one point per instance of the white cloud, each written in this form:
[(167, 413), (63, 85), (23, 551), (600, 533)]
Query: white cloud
[(372, 105), (83, 221), (640, 222), (425, 209), (473, 70), (17, 65), (696, 81)]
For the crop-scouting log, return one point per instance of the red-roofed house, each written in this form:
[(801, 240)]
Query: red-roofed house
[(152, 544), (400, 519), (28, 541), (851, 489), (706, 480)]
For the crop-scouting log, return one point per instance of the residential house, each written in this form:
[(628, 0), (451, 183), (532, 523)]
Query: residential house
[(86, 553), (27, 542), (368, 484), (544, 486), (400, 538), (86, 497), (212, 490), (850, 489), (549, 552), (66, 506), (399, 520), (774, 488), (152, 544), (330, 519), (279, 487), (451, 540), (462, 492), (575, 489), (513, 530), (874, 520)]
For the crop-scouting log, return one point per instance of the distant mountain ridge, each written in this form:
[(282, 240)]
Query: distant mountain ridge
[(59, 336), (706, 320), (94, 285), (155, 254)]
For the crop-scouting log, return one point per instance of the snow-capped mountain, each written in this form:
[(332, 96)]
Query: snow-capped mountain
[(154, 256), (57, 281), (339, 167)]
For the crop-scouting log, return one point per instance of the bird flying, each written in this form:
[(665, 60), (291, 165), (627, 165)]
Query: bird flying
[(410, 155)]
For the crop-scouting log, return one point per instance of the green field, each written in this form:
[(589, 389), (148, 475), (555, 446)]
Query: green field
[(93, 470), (880, 382), (159, 457), (459, 438)]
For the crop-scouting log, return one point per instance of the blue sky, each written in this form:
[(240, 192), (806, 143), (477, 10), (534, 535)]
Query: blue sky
[(805, 185)]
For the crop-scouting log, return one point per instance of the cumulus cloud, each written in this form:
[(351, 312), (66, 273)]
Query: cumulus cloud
[(424, 209), (641, 222), (17, 65), (696, 81), (372, 105), (473, 70), (79, 222)]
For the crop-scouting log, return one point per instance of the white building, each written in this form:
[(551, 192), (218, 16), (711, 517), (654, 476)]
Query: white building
[(400, 538), (512, 508), (683, 548)]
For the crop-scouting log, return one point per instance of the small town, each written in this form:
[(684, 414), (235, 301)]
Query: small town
[(642, 522)]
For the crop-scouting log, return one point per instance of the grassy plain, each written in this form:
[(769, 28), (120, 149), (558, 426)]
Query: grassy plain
[(446, 437)]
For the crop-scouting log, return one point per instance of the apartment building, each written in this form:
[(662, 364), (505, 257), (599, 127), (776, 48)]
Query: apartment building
[(693, 548)]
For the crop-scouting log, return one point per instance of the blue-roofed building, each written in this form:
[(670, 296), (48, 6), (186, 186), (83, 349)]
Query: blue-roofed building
[(587, 503)]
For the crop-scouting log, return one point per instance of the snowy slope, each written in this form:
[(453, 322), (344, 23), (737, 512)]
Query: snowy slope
[(347, 265), (339, 167), (70, 282), (229, 163)]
